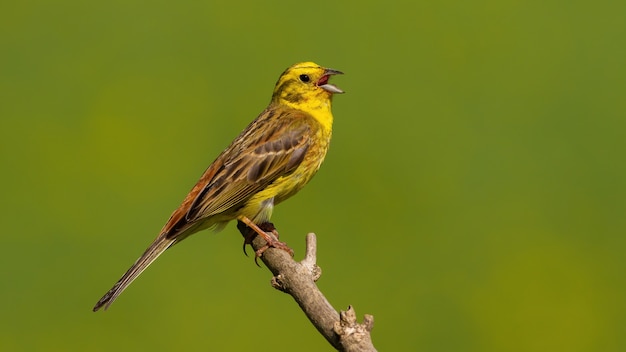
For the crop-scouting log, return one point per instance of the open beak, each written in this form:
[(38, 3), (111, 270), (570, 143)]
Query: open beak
[(323, 82)]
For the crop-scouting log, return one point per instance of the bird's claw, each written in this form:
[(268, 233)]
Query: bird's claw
[(270, 235), (273, 243)]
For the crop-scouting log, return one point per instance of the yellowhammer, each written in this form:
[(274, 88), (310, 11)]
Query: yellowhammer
[(271, 160)]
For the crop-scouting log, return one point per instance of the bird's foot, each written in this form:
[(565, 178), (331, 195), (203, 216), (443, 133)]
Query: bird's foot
[(271, 237), (269, 234)]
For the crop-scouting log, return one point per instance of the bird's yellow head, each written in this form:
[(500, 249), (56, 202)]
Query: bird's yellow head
[(305, 86)]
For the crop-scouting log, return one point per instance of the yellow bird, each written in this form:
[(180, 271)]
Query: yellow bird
[(271, 160)]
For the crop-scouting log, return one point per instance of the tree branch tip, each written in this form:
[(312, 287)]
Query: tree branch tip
[(347, 319), (310, 256), (348, 316), (311, 245), (368, 322)]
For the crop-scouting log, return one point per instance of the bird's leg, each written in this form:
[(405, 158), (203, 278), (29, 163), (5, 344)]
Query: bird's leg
[(269, 227), (265, 230)]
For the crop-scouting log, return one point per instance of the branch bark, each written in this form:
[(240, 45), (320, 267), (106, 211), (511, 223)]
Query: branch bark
[(297, 279)]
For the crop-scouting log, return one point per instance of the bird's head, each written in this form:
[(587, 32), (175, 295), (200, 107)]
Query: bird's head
[(305, 83)]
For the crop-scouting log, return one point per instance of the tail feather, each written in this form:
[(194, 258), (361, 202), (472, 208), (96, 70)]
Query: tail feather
[(150, 255)]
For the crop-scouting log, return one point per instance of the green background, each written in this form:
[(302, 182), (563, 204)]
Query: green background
[(474, 197)]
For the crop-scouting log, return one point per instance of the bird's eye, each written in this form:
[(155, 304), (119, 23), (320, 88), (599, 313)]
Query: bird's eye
[(304, 78)]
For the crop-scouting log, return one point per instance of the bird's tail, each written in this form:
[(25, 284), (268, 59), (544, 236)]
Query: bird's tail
[(157, 247)]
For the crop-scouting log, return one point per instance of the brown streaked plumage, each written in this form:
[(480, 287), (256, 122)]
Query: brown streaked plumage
[(271, 160)]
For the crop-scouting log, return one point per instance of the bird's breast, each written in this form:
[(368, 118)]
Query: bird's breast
[(288, 185)]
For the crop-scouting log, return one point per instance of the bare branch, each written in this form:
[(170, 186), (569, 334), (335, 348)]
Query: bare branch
[(298, 280)]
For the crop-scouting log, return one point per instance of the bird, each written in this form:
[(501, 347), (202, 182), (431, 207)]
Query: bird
[(274, 157)]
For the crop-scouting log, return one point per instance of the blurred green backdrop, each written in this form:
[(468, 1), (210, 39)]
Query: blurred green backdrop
[(473, 199)]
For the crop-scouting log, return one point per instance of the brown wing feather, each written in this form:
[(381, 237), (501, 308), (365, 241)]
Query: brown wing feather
[(247, 166)]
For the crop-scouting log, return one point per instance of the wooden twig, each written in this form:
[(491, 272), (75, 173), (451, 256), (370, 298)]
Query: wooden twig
[(297, 279)]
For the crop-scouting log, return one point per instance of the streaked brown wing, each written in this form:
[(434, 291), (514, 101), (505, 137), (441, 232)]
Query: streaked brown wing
[(271, 146)]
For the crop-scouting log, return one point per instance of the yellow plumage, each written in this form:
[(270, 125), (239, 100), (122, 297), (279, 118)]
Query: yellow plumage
[(271, 160)]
